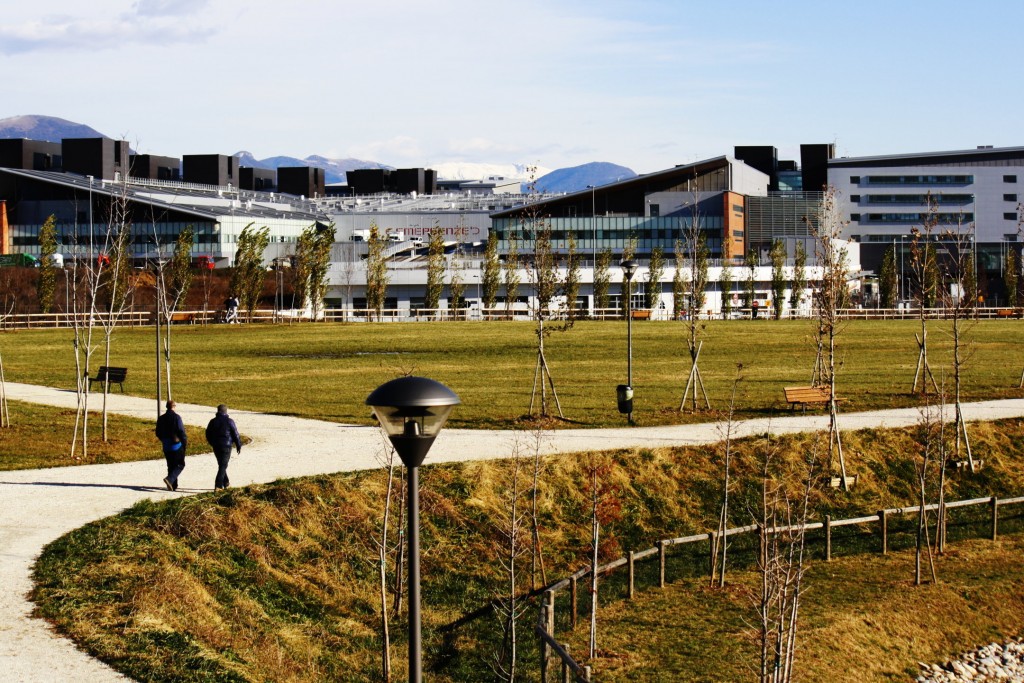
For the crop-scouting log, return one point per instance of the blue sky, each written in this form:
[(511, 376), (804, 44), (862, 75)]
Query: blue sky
[(646, 83)]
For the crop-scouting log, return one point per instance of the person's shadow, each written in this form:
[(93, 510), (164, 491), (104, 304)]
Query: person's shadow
[(141, 489)]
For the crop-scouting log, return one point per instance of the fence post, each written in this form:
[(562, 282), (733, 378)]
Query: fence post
[(661, 561), (549, 600), (566, 671), (828, 538), (544, 649), (883, 518), (711, 552), (995, 517), (631, 576), (572, 599), (586, 672)]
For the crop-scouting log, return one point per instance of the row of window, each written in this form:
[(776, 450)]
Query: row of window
[(911, 217), (918, 199), (916, 179)]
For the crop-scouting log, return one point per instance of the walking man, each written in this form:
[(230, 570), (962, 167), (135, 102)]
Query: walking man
[(222, 434), (171, 432)]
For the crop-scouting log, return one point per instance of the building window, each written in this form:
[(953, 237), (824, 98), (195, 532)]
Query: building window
[(854, 197), (655, 210), (855, 217), (1010, 216), (855, 180), (1010, 237), (1009, 178), (1009, 197)]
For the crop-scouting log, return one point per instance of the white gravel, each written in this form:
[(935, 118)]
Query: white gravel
[(39, 506)]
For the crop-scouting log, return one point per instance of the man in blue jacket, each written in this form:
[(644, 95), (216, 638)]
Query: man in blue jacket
[(222, 434), (171, 432)]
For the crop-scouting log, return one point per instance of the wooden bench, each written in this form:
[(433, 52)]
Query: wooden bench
[(806, 396), (189, 318), (111, 375), (640, 315)]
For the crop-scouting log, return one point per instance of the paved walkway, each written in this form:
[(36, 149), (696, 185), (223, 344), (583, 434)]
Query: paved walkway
[(39, 506)]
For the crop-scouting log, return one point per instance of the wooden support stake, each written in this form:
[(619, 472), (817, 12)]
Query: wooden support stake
[(995, 517), (883, 517), (586, 672), (572, 599), (661, 561), (566, 671), (828, 538), (632, 575), (711, 553)]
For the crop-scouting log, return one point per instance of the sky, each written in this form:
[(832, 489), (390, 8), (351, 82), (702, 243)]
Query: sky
[(646, 84)]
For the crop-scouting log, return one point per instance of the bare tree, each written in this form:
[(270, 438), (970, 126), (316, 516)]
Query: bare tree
[(113, 281), (696, 248), (512, 277), (511, 545), (5, 414), (799, 283), (781, 524), (571, 284), (931, 443), (721, 541), (958, 265), (543, 272), (457, 280), (385, 546), (173, 278), (605, 508), (831, 256), (491, 275), (924, 271)]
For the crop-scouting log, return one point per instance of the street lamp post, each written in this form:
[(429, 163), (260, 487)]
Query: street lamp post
[(412, 411), (626, 393)]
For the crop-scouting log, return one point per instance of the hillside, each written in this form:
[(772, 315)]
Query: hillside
[(278, 582), (579, 178), (49, 128)]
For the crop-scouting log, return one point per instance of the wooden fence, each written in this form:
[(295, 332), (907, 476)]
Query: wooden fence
[(571, 670), (356, 315)]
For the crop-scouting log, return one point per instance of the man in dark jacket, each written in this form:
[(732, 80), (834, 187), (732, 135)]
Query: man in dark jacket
[(171, 432), (222, 434)]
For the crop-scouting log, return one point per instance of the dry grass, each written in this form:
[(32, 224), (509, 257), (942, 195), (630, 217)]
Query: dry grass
[(277, 582)]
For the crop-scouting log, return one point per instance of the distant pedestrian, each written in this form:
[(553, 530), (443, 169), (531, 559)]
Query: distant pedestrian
[(222, 434), (753, 309), (231, 309), (171, 432)]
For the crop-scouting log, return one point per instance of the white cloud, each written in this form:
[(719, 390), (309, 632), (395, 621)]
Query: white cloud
[(148, 22)]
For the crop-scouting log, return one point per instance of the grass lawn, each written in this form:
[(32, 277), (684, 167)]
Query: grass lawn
[(40, 436), (326, 371), (278, 582)]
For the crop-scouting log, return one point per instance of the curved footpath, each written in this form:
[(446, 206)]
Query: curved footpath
[(39, 506)]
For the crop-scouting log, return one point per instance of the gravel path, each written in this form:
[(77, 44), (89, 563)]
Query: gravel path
[(39, 506)]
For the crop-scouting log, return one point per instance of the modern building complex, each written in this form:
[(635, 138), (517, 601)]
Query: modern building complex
[(740, 204), (976, 191)]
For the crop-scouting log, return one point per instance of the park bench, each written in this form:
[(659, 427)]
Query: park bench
[(1007, 313), (189, 318), (805, 396), (111, 375), (641, 315)]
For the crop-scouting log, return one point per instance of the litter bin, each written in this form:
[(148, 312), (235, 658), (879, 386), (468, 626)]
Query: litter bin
[(624, 394)]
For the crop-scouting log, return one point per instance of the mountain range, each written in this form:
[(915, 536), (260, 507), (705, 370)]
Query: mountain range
[(574, 179)]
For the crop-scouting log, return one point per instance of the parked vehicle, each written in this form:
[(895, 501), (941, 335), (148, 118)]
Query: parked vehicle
[(19, 260)]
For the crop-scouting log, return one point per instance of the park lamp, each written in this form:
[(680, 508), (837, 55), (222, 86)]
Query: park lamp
[(412, 411), (628, 269)]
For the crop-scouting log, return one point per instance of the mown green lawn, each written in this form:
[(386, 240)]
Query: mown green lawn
[(326, 371), (41, 436)]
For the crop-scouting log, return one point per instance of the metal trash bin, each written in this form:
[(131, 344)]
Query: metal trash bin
[(624, 394)]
